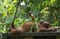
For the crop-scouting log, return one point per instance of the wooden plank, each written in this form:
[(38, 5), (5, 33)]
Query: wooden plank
[(34, 34)]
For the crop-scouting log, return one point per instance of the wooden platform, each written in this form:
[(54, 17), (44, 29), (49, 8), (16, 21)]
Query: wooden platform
[(33, 35)]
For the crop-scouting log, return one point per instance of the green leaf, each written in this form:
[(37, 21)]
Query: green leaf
[(5, 14)]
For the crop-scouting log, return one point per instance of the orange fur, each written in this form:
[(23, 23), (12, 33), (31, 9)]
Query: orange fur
[(45, 27), (25, 28)]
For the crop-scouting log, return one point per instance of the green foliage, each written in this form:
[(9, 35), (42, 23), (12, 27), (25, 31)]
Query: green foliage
[(48, 10)]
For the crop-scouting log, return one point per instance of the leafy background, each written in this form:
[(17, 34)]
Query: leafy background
[(48, 10)]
